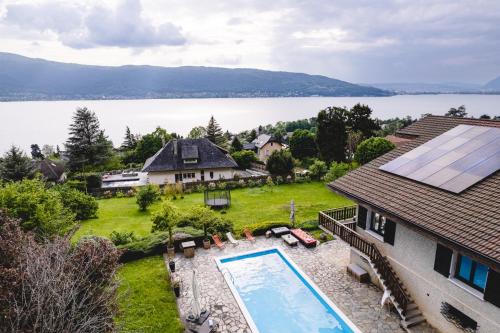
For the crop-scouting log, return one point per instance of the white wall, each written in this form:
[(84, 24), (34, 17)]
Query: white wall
[(161, 178), (412, 257)]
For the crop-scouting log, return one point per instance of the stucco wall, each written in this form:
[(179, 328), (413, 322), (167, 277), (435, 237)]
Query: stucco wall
[(267, 150), (412, 257), (161, 178)]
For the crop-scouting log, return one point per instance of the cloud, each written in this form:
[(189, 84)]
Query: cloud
[(95, 26)]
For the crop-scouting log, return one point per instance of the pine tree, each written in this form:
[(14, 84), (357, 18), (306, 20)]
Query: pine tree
[(252, 135), (130, 141), (16, 165), (236, 145), (214, 132), (87, 145), (36, 153)]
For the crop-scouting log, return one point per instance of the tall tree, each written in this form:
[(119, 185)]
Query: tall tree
[(15, 165), (36, 153), (280, 163), (236, 145), (214, 132), (48, 151), (252, 135), (331, 134), (150, 143), (354, 138), (302, 144), (87, 145), (359, 120), (130, 140), (197, 132), (459, 112)]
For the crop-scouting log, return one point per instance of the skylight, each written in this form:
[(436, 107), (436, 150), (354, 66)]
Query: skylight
[(452, 161)]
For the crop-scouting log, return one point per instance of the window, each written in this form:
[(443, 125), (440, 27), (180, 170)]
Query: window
[(190, 161), (377, 224), (471, 272), (211, 175)]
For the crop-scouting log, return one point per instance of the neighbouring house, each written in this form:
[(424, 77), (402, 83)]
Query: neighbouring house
[(51, 171), (189, 160), (264, 145), (431, 207)]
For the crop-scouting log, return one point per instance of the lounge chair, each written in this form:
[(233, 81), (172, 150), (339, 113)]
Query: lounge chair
[(218, 242), (248, 235), (231, 239), (303, 237)]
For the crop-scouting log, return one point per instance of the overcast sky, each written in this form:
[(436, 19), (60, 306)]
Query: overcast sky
[(357, 41)]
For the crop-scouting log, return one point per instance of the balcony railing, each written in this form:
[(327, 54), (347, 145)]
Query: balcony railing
[(331, 220)]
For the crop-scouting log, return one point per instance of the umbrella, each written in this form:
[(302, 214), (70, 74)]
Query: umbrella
[(292, 212), (196, 311)]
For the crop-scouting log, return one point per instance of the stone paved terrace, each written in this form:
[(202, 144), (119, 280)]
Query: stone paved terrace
[(325, 265)]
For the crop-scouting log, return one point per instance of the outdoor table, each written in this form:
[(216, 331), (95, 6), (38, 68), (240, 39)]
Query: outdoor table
[(290, 240), (278, 232), (188, 248)]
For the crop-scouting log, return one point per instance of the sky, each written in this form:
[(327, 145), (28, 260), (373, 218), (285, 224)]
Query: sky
[(361, 41)]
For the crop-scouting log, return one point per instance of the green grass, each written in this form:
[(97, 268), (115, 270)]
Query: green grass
[(146, 301), (248, 206)]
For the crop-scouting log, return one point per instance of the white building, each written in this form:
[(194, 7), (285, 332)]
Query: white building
[(432, 208), (189, 160)]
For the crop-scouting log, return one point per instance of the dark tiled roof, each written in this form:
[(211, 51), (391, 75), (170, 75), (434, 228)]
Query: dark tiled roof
[(171, 156), (470, 219), (51, 170)]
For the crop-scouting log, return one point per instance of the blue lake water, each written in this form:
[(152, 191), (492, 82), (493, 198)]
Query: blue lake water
[(24, 123), (278, 298)]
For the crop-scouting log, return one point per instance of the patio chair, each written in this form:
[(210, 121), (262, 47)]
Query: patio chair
[(218, 242), (303, 237), (231, 238), (248, 235)]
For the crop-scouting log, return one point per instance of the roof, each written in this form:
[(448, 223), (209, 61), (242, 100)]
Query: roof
[(469, 219), (51, 170), (397, 140), (171, 156), (262, 139)]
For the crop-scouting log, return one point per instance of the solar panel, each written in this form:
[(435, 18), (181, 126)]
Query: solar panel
[(452, 161)]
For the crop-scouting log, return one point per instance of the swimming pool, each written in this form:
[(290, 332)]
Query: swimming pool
[(276, 296)]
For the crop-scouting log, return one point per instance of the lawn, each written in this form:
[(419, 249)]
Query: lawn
[(146, 302), (249, 205)]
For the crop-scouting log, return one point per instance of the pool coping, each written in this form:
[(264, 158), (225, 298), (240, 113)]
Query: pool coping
[(242, 306)]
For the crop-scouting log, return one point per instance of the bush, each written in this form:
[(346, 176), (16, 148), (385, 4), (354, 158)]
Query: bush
[(203, 218), (338, 170), (279, 180), (318, 169), (121, 238), (91, 180), (280, 163), (372, 148), (308, 225), (147, 195), (244, 158), (269, 181), (82, 205)]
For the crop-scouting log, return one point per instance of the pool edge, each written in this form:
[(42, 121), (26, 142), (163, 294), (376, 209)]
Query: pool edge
[(311, 283)]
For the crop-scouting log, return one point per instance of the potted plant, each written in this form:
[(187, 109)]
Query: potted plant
[(166, 218), (171, 265), (176, 285)]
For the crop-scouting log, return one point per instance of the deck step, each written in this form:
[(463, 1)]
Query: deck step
[(412, 314), (413, 321), (411, 306)]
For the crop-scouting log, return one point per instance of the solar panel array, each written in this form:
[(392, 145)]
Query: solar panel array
[(452, 161)]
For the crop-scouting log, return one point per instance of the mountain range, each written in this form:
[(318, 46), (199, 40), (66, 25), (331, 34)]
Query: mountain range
[(23, 78), (492, 87)]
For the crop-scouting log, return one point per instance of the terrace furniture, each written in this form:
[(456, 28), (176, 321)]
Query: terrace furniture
[(188, 248), (205, 327), (278, 232), (306, 239), (231, 239), (290, 240), (269, 234), (218, 242), (359, 273), (248, 235)]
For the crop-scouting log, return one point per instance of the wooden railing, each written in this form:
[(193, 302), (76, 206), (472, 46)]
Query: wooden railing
[(346, 232), (340, 214)]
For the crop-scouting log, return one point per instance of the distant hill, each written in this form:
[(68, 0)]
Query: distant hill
[(428, 88), (493, 84), (23, 78)]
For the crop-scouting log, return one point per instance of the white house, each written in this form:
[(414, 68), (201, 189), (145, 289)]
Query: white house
[(189, 160)]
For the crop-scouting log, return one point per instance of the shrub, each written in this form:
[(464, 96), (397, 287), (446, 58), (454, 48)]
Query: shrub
[(308, 225), (121, 238), (318, 169), (241, 183), (205, 219), (120, 194), (280, 163), (269, 181), (82, 205), (279, 180), (107, 195), (130, 193), (212, 186), (165, 218), (372, 148), (338, 170), (147, 195), (244, 158)]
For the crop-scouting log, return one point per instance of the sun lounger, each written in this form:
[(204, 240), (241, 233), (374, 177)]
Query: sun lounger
[(218, 242), (231, 239), (303, 237), (248, 235)]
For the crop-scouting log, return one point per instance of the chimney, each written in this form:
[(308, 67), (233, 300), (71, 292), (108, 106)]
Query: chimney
[(174, 142)]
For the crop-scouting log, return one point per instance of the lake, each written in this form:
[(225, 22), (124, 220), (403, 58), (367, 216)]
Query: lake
[(46, 122)]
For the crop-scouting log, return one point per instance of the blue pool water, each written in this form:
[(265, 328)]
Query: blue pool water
[(278, 298)]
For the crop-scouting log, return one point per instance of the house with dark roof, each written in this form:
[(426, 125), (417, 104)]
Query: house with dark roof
[(189, 160), (51, 171), (428, 223), (264, 145)]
